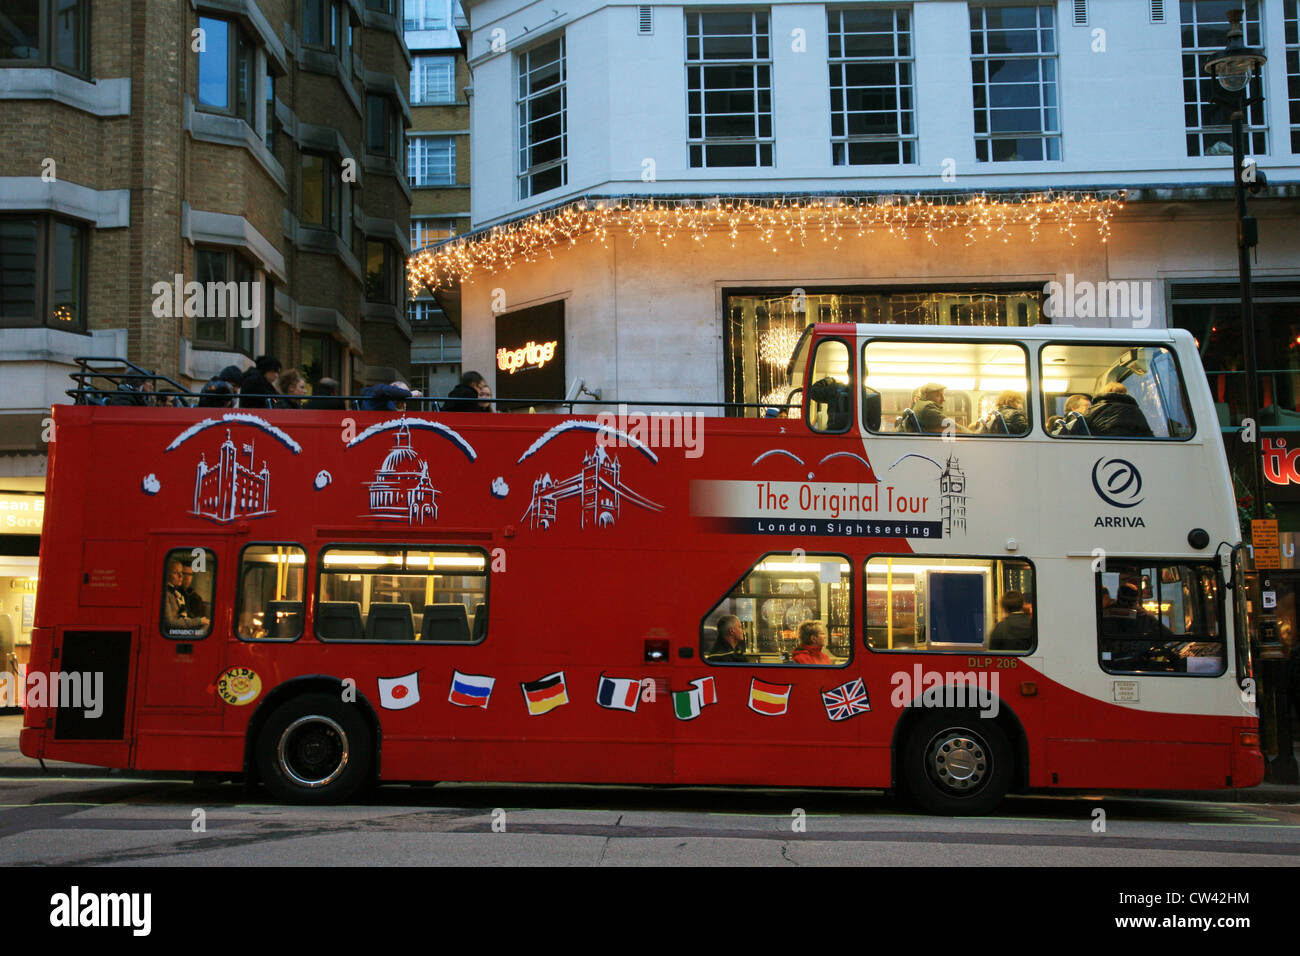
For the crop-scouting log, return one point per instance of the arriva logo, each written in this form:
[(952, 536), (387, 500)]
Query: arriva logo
[(1118, 482)]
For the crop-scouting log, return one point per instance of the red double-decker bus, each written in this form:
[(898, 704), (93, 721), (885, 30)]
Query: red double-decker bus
[(938, 573)]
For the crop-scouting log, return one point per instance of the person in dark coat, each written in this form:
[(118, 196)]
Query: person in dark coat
[(385, 398), (325, 396), (729, 648), (1116, 413), (257, 390), (467, 396), (1015, 632), (1011, 411)]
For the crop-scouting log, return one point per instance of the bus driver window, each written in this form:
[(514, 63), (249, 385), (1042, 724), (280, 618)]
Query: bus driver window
[(187, 593), (830, 397)]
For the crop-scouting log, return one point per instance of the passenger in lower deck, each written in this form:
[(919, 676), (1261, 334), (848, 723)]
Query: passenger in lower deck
[(1015, 632), (729, 647)]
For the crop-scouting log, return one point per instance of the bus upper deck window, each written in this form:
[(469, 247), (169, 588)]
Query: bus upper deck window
[(1113, 391), (935, 388), (830, 397), (188, 577)]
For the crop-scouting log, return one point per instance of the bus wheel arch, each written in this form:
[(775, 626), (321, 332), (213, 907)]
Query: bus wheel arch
[(313, 686), (992, 754)]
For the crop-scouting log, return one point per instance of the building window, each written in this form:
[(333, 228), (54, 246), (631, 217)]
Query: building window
[(227, 83), (383, 127), (269, 133), (543, 119), (426, 232), (46, 33), (1205, 33), (320, 357), (872, 113), (324, 24), (729, 89), (1291, 23), (322, 191), (432, 79), (431, 161), (384, 272), (426, 14), (383, 6), (1013, 69), (767, 617), (42, 272), (230, 292)]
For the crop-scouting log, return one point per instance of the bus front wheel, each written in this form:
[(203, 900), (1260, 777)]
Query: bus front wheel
[(314, 749), (956, 763)]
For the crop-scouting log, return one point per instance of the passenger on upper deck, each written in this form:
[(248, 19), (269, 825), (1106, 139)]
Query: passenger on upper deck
[(1076, 406), (1115, 412), (928, 409), (1009, 417), (728, 649)]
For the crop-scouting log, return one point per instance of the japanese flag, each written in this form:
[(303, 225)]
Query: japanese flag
[(399, 693)]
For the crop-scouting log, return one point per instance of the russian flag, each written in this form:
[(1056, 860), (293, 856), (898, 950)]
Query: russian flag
[(470, 690), (618, 693)]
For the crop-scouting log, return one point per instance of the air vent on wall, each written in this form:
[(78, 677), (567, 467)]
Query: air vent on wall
[(1157, 11), (645, 21), (1080, 13)]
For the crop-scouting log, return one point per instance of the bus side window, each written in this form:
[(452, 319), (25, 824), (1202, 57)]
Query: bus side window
[(830, 396), (1113, 391), (788, 609), (928, 603), (270, 602), (1160, 618), (189, 576)]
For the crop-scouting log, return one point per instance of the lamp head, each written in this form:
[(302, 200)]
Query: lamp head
[(1234, 67)]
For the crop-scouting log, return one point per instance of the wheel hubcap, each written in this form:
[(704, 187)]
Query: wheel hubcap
[(958, 761), (313, 751)]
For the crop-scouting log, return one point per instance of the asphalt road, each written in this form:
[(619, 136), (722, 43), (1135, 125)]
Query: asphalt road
[(115, 822)]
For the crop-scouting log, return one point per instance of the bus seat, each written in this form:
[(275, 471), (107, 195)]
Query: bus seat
[(445, 622), (283, 619), (390, 622), (1075, 424), (908, 422), (871, 408), (339, 621), (480, 621)]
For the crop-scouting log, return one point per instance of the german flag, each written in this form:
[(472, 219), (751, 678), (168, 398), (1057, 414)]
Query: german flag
[(769, 699), (546, 694)]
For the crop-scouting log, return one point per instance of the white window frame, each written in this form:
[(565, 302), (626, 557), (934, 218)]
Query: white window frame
[(426, 14), (421, 158), (424, 93), (905, 142), (527, 173), (1256, 126), (1049, 85), (424, 232), (764, 146)]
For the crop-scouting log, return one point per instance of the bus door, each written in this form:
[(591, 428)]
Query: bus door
[(768, 696), (187, 618)]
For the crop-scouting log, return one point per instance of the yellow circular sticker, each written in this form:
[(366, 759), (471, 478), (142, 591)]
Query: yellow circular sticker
[(239, 686)]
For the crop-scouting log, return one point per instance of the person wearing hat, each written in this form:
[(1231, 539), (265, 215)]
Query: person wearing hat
[(928, 408), (222, 391), (259, 381)]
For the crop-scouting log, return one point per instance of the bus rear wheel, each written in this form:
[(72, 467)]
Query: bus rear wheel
[(314, 749), (956, 763)]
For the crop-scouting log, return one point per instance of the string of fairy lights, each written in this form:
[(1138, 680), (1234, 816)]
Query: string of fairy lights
[(777, 220)]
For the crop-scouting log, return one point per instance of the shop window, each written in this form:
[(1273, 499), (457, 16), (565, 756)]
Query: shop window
[(430, 595), (270, 601), (830, 393), (189, 576), (789, 609), (931, 387), (1160, 618), (924, 603), (1113, 391)]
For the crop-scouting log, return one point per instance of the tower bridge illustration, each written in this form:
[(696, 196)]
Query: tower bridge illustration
[(598, 487), (229, 490), (402, 489)]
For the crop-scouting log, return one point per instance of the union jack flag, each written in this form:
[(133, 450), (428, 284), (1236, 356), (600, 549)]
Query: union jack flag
[(847, 700)]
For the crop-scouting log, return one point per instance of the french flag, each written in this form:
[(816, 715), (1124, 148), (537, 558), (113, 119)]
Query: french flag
[(618, 693), (470, 690)]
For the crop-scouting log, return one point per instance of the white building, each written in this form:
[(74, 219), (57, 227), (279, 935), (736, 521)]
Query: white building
[(810, 103)]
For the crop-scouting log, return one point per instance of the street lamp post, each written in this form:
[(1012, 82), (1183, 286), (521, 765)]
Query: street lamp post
[(1233, 69)]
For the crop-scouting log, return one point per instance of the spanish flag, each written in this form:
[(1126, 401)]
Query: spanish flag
[(546, 694), (769, 699)]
